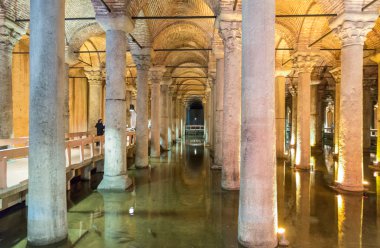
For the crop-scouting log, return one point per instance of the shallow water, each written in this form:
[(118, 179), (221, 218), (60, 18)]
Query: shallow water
[(178, 203)]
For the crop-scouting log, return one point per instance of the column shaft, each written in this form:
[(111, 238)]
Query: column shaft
[(128, 102), (142, 61), (47, 209), (231, 32), (280, 116), (164, 124), (313, 114), (303, 121), (378, 118), (367, 115), (258, 197), (350, 174), (115, 159), (293, 138), (218, 153), (155, 127)]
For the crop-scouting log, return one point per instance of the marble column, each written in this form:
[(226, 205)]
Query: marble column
[(71, 59), (209, 115), (128, 101), (164, 114), (337, 75), (219, 88), (230, 30), (178, 132), (293, 138), (258, 189), (141, 59), (376, 59), (47, 206), (10, 34), (352, 30), (173, 116), (95, 82), (313, 113), (156, 74), (115, 153), (303, 63), (320, 117), (206, 120), (367, 115), (280, 113)]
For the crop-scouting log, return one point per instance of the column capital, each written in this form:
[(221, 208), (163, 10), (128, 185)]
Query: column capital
[(352, 28), (230, 31), (166, 81), (94, 75), (130, 88), (10, 34), (142, 59), (156, 74), (293, 90), (303, 62), (119, 22), (336, 73), (218, 49)]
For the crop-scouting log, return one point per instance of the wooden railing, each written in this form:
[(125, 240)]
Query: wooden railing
[(93, 144)]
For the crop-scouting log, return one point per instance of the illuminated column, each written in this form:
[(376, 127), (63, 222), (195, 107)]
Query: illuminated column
[(219, 88), (280, 113), (293, 138), (47, 206), (209, 113), (71, 58), (313, 113), (367, 115), (303, 207), (164, 113), (258, 189), (95, 82), (206, 103), (376, 59), (173, 116), (230, 30), (337, 75), (141, 58), (303, 63), (352, 29), (115, 157), (128, 100), (155, 74), (178, 117), (10, 34)]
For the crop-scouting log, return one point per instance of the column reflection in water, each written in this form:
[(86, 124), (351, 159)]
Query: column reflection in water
[(281, 193), (303, 208), (118, 229), (350, 220)]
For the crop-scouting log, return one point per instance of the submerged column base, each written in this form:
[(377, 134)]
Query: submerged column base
[(249, 244), (117, 183), (57, 242), (349, 188), (231, 185)]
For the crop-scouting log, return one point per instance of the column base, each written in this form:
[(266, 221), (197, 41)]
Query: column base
[(116, 183), (139, 166), (216, 167), (348, 188), (230, 186), (262, 245), (303, 167), (58, 242)]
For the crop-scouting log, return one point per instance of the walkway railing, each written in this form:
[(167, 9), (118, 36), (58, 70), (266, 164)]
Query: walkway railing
[(194, 130), (81, 154)]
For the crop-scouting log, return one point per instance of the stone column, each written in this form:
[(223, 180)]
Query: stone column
[(313, 114), (156, 74), (209, 115), (141, 59), (164, 114), (71, 58), (230, 30), (115, 156), (352, 29), (95, 82), (336, 73), (173, 116), (376, 59), (367, 115), (258, 190), (47, 208), (205, 119), (280, 113), (178, 118), (128, 100), (10, 34), (219, 88), (303, 63), (320, 117), (293, 138)]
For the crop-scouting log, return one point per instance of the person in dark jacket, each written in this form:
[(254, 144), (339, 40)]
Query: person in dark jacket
[(100, 128)]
